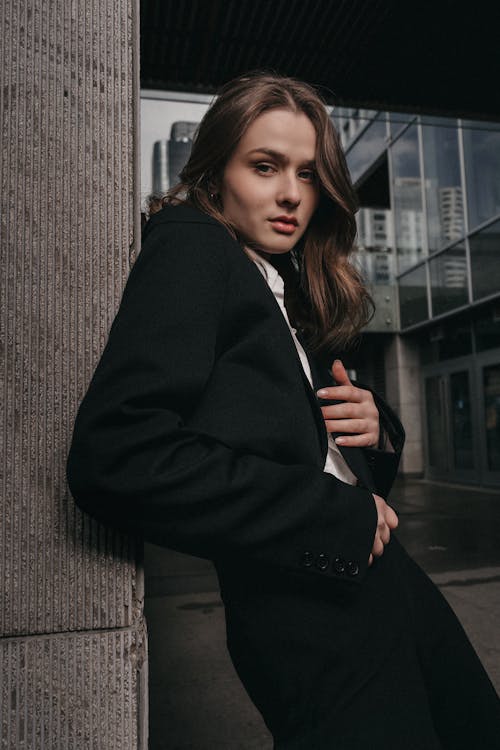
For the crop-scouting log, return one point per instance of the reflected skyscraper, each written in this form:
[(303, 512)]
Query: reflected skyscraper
[(170, 156)]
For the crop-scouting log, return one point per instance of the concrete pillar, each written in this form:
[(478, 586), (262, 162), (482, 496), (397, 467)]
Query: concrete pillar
[(72, 643), (402, 374)]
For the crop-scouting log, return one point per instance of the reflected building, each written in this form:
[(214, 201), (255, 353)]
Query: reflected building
[(451, 212), (429, 190), (170, 156)]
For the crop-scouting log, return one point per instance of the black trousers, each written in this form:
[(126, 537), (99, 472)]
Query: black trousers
[(398, 673)]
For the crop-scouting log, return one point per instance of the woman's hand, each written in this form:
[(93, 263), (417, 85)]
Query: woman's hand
[(387, 521), (357, 415)]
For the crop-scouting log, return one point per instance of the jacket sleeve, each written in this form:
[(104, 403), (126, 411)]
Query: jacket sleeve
[(384, 463), (136, 464)]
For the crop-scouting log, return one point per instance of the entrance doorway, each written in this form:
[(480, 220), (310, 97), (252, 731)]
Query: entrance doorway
[(462, 419)]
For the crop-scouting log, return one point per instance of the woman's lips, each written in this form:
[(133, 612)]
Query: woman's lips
[(284, 226)]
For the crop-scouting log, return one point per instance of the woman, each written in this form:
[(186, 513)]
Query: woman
[(201, 429)]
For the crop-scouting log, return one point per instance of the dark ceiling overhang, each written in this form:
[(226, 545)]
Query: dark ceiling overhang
[(430, 57)]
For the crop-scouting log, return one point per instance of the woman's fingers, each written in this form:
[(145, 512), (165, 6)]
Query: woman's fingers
[(364, 440), (391, 518), (356, 414), (349, 393), (378, 547), (387, 520), (361, 432), (357, 426)]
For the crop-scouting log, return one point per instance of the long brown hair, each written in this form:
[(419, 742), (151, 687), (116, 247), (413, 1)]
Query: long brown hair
[(334, 302)]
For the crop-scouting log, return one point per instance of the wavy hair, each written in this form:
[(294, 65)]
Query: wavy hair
[(331, 303)]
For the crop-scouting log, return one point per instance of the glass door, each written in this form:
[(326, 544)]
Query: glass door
[(488, 366), (451, 452), (437, 433)]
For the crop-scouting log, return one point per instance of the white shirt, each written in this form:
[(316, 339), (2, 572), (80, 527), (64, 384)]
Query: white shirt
[(335, 463)]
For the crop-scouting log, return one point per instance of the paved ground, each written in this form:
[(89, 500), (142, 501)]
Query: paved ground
[(197, 702)]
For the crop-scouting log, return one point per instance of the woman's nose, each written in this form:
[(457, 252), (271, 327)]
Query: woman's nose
[(289, 191)]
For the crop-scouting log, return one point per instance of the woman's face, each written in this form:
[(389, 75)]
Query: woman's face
[(269, 187)]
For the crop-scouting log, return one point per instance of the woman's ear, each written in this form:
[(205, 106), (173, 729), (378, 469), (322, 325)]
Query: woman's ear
[(214, 190)]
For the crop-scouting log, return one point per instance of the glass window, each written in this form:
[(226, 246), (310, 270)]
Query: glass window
[(413, 297), (446, 341), (448, 274), (485, 261), (436, 422), (167, 126), (370, 145), (460, 403), (398, 121), (491, 383), (482, 169), (407, 198), (487, 329), (375, 258), (375, 229), (349, 122), (443, 188)]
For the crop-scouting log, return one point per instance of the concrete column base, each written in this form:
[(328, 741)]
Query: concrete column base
[(402, 373)]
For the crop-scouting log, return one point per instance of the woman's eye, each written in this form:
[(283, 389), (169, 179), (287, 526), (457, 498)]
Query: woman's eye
[(307, 174), (264, 168)]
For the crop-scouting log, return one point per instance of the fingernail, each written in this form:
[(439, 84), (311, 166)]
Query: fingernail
[(322, 392), (340, 441)]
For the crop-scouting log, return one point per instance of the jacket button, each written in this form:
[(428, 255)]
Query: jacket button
[(352, 568), (307, 559), (323, 561), (339, 565)]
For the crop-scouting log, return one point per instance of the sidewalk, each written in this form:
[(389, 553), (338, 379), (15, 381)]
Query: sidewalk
[(196, 700)]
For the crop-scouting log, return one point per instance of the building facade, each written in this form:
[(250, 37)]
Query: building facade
[(429, 191)]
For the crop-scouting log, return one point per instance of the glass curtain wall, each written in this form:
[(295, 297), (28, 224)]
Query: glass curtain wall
[(443, 222), (482, 169), (407, 199), (485, 261), (456, 238), (443, 187)]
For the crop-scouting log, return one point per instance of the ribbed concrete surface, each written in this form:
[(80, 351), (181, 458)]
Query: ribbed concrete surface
[(68, 178), (51, 686)]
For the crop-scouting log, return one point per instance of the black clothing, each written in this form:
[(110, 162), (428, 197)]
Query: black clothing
[(200, 431)]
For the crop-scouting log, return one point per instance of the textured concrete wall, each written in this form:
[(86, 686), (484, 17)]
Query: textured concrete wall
[(71, 626), (402, 376)]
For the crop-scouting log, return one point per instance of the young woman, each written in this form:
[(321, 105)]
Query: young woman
[(204, 429)]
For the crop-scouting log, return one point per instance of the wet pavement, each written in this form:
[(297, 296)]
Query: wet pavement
[(196, 699)]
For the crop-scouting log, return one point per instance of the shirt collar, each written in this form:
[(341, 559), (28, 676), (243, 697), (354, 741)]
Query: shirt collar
[(269, 272)]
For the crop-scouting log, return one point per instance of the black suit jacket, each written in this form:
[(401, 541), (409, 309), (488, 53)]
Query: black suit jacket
[(199, 429)]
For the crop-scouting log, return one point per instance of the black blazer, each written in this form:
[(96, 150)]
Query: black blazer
[(199, 429)]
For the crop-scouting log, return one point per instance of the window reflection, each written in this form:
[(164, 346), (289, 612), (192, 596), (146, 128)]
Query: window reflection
[(482, 166), (487, 329), (398, 121), (448, 274), (443, 189), (407, 199), (367, 149), (375, 242), (446, 341), (485, 261), (413, 297), (350, 122)]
